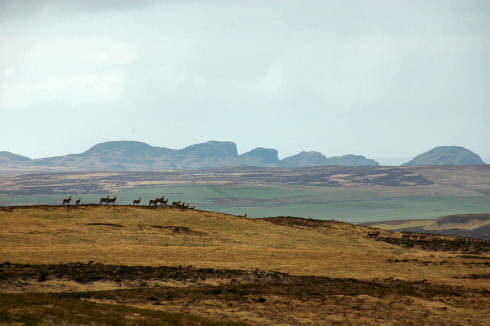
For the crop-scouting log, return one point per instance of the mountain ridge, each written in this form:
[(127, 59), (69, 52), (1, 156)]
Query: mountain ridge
[(134, 155)]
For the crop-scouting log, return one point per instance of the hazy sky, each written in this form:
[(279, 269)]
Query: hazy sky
[(384, 79)]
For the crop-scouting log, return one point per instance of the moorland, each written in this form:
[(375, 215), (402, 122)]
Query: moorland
[(464, 225), (350, 194), (108, 265)]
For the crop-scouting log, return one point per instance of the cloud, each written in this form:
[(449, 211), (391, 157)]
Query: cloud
[(71, 70), (78, 50), (64, 55), (13, 8), (72, 90)]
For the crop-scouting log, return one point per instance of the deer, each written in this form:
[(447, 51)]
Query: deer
[(111, 200), (67, 201), (104, 200), (176, 203), (192, 208), (184, 206), (77, 202), (136, 201), (160, 200), (152, 202)]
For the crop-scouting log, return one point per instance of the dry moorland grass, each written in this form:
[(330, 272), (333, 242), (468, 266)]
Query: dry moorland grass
[(284, 271), (167, 236)]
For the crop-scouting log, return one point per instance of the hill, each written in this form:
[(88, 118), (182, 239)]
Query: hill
[(351, 160), (446, 155), (305, 159), (94, 264), (7, 158), (464, 225), (138, 156)]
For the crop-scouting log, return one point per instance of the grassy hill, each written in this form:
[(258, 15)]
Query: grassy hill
[(93, 264), (465, 225)]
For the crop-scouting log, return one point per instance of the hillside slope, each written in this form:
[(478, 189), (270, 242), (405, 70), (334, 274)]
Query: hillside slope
[(94, 264), (136, 235), (463, 225)]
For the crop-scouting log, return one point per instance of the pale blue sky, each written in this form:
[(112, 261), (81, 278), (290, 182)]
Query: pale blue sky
[(384, 79)]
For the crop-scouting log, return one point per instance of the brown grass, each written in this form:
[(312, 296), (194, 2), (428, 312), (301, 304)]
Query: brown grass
[(165, 236)]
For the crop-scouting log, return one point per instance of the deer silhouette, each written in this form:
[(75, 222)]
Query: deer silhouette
[(152, 202), (136, 201), (104, 200), (111, 200), (184, 205), (77, 202), (67, 201), (160, 200)]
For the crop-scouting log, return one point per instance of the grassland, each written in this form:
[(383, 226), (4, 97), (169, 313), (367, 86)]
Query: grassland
[(348, 205), (350, 194), (94, 264)]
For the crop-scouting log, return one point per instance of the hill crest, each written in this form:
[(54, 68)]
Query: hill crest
[(446, 155), (134, 155)]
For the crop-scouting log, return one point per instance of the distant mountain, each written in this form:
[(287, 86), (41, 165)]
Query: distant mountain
[(11, 158), (446, 155), (304, 159), (260, 157), (309, 159), (351, 160), (133, 155)]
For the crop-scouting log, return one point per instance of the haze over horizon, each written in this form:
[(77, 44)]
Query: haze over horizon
[(387, 80)]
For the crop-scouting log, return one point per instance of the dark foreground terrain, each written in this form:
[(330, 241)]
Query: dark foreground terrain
[(224, 295)]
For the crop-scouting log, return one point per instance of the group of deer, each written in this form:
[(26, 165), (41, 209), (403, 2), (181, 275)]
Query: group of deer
[(153, 202), (182, 205), (156, 201), (164, 201), (66, 201), (108, 200)]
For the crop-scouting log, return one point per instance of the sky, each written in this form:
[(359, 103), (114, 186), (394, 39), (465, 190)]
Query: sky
[(385, 79)]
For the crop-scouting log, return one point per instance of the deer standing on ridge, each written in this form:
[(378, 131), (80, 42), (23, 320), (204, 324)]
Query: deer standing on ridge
[(136, 201), (67, 201), (111, 200), (104, 200)]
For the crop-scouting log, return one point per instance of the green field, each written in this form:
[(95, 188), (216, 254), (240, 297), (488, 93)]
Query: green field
[(362, 211), (343, 204)]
